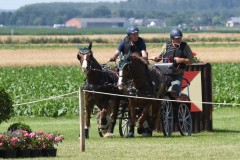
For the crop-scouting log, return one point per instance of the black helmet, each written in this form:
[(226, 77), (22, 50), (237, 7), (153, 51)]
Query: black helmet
[(176, 33), (132, 29)]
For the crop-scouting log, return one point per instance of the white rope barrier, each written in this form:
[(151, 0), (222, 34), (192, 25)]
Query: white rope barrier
[(120, 95), (233, 104), (46, 99)]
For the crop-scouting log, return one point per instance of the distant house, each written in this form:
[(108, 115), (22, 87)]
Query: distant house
[(233, 22), (146, 22), (59, 26), (96, 22), (137, 22), (154, 23)]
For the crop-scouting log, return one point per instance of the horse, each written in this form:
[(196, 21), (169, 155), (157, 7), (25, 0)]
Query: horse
[(137, 79), (98, 78)]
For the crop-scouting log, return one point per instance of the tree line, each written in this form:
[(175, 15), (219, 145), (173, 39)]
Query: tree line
[(174, 12)]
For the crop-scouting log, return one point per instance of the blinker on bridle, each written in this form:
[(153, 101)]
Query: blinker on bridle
[(84, 51)]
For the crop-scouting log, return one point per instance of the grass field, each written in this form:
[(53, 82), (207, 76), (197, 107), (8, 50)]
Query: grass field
[(223, 143)]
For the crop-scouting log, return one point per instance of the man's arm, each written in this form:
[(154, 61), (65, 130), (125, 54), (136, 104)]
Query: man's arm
[(116, 54), (118, 51), (163, 51), (183, 60), (189, 55), (144, 54)]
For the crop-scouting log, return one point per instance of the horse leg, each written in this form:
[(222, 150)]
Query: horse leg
[(102, 120), (154, 115), (116, 103), (103, 116), (143, 122), (132, 117), (89, 106)]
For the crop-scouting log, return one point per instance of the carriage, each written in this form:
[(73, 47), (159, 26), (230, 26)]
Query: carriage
[(169, 108)]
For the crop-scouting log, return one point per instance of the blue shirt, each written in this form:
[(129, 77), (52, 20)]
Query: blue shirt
[(138, 47)]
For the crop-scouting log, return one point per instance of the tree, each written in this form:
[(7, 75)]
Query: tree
[(217, 21), (101, 11)]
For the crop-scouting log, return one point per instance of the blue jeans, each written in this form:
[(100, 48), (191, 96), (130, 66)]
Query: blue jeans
[(177, 83)]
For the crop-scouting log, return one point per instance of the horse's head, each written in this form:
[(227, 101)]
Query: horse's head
[(85, 56), (132, 69), (123, 68)]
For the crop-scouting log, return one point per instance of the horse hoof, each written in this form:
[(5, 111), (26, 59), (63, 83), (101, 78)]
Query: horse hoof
[(140, 130), (146, 135), (108, 135), (129, 135)]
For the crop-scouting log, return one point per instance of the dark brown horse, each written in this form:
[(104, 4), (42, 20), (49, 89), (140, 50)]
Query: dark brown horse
[(101, 80), (135, 78)]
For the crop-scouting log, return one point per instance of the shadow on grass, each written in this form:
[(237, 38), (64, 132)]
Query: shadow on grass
[(226, 131)]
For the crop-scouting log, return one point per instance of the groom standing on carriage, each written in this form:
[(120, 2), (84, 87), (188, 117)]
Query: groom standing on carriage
[(180, 54), (131, 43)]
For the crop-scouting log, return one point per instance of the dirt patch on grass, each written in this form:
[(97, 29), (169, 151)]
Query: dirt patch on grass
[(67, 57)]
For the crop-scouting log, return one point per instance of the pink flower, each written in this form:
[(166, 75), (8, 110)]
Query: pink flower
[(40, 132), (32, 134), (49, 136), (26, 135), (23, 139), (58, 138), (14, 141), (22, 131)]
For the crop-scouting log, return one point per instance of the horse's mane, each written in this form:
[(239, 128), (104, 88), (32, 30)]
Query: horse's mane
[(141, 59), (95, 61), (153, 75)]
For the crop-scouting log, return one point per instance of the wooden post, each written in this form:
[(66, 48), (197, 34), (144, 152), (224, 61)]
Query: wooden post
[(81, 119)]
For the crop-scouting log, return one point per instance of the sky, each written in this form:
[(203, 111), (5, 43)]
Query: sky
[(16, 4)]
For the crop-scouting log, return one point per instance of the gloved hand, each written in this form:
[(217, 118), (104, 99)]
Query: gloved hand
[(113, 59), (157, 59)]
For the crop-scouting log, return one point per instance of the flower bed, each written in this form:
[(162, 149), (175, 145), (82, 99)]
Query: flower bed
[(20, 143)]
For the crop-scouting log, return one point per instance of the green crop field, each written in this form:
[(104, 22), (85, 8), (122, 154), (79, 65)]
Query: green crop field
[(27, 84)]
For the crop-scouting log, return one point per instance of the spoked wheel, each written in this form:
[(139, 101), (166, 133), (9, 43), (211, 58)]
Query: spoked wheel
[(167, 116), (184, 120), (124, 122)]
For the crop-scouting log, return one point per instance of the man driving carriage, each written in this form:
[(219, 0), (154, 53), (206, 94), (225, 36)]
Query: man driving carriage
[(180, 54), (131, 43)]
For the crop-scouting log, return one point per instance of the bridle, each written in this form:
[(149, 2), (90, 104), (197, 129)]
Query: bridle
[(87, 64), (123, 63)]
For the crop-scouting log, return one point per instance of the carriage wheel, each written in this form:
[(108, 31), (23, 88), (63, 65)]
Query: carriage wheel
[(167, 116), (184, 120), (124, 122)]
